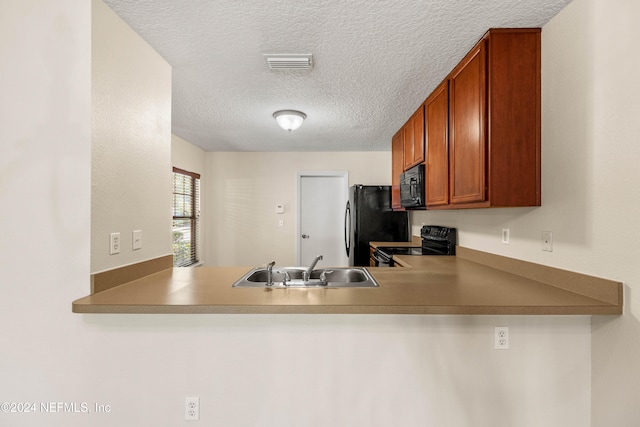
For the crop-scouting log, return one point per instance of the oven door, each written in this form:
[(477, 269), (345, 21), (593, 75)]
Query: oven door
[(382, 259)]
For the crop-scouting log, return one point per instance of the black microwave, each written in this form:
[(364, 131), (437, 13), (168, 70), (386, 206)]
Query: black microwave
[(412, 188)]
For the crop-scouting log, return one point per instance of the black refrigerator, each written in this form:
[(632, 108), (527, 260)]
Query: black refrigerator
[(368, 217)]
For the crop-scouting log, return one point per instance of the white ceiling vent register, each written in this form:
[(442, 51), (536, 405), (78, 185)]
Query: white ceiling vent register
[(289, 61)]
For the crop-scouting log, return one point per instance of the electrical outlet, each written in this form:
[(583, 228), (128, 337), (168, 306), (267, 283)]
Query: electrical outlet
[(114, 243), (501, 338), (192, 408), (547, 241), (505, 236)]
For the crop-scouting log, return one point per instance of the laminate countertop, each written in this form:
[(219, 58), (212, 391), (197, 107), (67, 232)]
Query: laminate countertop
[(468, 284)]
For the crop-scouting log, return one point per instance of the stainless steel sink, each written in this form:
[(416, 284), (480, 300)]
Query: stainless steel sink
[(293, 277)]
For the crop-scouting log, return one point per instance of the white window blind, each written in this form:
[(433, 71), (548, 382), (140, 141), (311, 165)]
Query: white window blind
[(186, 217)]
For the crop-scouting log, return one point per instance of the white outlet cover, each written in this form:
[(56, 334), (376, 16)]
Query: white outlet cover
[(192, 408), (501, 338), (547, 241), (114, 243)]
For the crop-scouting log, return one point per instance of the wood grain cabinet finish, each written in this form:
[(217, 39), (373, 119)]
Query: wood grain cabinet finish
[(397, 167), (413, 134), (468, 118), (494, 113), (436, 119), (481, 127)]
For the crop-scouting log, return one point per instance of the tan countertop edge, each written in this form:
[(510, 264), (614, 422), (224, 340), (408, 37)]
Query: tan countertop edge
[(605, 290), (347, 309), (415, 242), (460, 285), (402, 261)]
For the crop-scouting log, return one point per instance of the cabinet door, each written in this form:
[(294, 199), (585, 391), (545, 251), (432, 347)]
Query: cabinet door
[(467, 144), (413, 132), (397, 167), (407, 137), (418, 136), (436, 114)]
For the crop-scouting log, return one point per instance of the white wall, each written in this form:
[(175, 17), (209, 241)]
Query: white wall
[(45, 177), (244, 189), (249, 370), (131, 136), (590, 152), (189, 157)]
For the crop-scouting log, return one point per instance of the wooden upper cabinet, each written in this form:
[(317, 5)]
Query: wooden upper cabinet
[(468, 118), (481, 127), (494, 113), (397, 167), (436, 120), (413, 135)]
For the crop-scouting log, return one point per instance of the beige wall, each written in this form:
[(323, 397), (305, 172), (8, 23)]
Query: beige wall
[(244, 189), (131, 137), (590, 152)]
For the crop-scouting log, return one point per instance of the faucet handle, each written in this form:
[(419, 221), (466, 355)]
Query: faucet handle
[(323, 275)]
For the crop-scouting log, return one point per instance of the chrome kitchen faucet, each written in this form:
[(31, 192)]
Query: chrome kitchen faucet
[(309, 270)]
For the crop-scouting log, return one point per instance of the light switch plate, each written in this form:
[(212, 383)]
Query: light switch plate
[(137, 239), (505, 236)]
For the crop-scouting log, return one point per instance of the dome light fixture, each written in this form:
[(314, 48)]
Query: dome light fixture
[(289, 119)]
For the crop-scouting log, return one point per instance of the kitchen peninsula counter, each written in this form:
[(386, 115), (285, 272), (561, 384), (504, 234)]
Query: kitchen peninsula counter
[(470, 283)]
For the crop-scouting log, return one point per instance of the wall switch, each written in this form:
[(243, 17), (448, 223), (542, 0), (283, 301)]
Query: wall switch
[(192, 408), (137, 239), (505, 236), (501, 338), (547, 241), (114, 243), (281, 223)]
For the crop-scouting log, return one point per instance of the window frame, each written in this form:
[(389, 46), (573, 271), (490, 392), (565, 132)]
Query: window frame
[(194, 218)]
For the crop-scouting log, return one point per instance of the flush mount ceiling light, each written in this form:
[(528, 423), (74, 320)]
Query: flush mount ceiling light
[(289, 119)]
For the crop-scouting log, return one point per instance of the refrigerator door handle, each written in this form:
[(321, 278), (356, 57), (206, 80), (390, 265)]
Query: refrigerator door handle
[(347, 228)]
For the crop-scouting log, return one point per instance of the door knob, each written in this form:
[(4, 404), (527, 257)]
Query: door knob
[(305, 236)]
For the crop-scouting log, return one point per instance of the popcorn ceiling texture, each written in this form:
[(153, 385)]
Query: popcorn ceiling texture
[(374, 64)]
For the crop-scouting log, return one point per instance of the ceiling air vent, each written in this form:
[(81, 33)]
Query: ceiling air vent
[(289, 62)]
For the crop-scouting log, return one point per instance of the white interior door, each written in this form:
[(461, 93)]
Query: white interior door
[(321, 203)]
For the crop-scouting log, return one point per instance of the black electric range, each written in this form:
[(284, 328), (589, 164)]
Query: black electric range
[(436, 240)]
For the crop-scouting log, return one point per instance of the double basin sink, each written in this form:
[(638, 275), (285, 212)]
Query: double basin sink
[(295, 277)]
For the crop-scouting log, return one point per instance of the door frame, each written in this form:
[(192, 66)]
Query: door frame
[(309, 174)]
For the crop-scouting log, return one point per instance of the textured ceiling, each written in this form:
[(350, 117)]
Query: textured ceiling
[(374, 63)]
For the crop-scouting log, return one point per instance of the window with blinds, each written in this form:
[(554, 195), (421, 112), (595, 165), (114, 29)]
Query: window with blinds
[(186, 217)]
